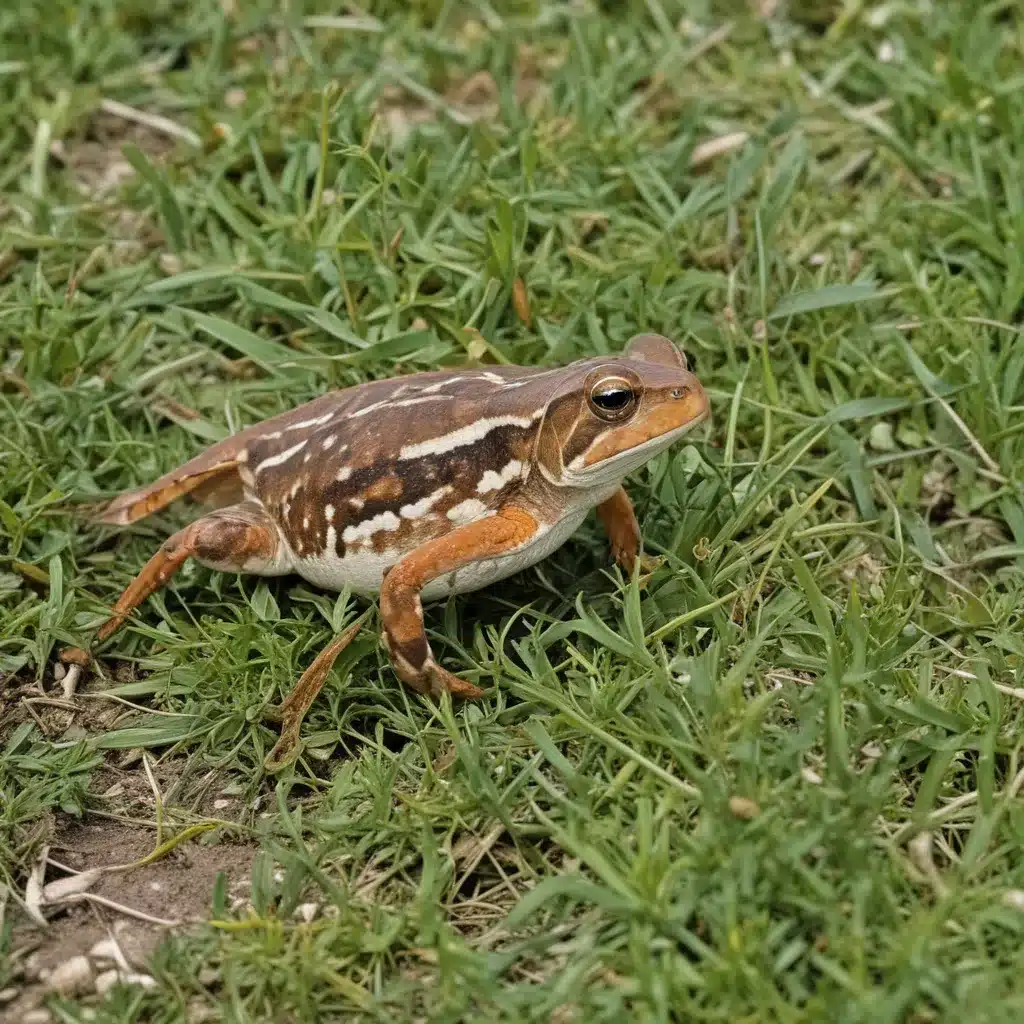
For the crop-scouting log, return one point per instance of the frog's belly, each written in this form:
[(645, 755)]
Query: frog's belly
[(363, 570)]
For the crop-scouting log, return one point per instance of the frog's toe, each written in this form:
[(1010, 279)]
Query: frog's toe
[(441, 680), (650, 564)]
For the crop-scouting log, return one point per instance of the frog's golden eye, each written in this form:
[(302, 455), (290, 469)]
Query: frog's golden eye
[(612, 398)]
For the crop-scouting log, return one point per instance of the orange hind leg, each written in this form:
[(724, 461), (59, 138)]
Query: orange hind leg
[(240, 538)]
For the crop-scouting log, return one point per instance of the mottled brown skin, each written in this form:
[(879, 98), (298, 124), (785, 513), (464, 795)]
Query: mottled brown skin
[(408, 485)]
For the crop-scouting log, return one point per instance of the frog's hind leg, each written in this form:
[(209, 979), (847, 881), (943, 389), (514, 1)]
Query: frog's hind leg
[(239, 538), (292, 710)]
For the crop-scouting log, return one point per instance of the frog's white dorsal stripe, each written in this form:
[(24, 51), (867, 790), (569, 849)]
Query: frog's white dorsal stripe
[(276, 460), (317, 421), (494, 480), (468, 434)]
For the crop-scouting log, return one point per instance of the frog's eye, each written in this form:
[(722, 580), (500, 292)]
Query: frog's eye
[(612, 398)]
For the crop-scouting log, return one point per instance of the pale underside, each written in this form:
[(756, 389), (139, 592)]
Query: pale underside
[(362, 569)]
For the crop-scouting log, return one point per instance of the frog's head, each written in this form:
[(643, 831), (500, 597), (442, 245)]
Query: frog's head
[(611, 415)]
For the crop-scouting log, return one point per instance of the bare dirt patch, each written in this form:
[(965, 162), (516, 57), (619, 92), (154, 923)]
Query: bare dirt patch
[(95, 159), (178, 887)]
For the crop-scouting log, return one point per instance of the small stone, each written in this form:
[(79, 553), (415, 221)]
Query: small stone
[(234, 98), (306, 911), (219, 805), (818, 259), (886, 52), (106, 980), (142, 980), (1014, 899), (106, 951), (881, 438), (169, 263), (7, 994), (40, 1016), (743, 807), (72, 977), (208, 976), (811, 776)]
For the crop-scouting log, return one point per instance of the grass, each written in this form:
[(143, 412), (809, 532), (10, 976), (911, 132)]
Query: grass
[(780, 783)]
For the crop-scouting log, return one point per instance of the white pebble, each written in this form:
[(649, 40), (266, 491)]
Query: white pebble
[(307, 911), (143, 980), (71, 977), (1014, 898), (106, 980)]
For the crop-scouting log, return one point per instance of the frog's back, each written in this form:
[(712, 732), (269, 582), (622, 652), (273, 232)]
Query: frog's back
[(356, 487), (357, 478)]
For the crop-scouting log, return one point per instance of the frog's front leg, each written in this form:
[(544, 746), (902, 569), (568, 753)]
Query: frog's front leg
[(402, 611), (619, 521)]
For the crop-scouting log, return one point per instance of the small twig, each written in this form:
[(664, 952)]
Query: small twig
[(120, 908), (51, 702), (990, 463), (157, 798), (347, 23), (1010, 691), (157, 122), (106, 695), (708, 151)]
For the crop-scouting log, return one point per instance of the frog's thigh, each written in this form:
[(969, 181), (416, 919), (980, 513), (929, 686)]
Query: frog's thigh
[(240, 538), (619, 520), (402, 611)]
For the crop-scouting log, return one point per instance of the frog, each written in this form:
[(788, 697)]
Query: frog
[(420, 486)]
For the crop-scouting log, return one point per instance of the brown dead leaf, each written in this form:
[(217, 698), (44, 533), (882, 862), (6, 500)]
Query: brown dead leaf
[(521, 301), (477, 95), (743, 807)]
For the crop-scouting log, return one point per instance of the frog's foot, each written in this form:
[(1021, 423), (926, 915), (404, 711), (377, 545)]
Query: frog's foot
[(428, 678), (292, 710), (240, 538), (401, 610), (649, 564), (619, 520)]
